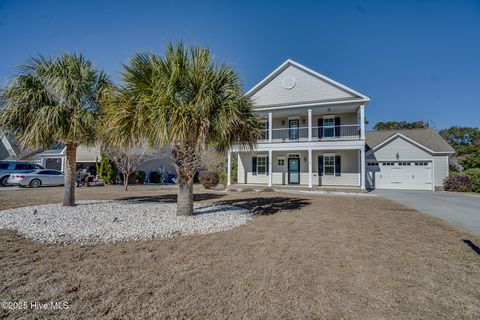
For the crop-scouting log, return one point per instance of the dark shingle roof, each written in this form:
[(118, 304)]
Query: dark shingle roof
[(427, 137)]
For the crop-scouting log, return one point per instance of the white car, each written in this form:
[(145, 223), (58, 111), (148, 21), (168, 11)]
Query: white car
[(37, 178)]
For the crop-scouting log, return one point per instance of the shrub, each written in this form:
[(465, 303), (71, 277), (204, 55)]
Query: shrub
[(458, 183), (474, 175), (248, 190), (154, 177), (209, 179), (108, 171), (137, 175)]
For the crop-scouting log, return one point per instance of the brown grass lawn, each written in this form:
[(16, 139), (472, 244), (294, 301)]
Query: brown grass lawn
[(303, 257)]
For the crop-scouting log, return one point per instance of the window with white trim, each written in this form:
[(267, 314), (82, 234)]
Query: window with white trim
[(262, 165), (329, 165), (281, 161)]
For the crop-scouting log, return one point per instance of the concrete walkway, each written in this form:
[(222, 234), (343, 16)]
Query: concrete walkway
[(459, 208)]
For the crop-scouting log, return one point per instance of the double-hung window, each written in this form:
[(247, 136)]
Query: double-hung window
[(262, 165), (329, 165)]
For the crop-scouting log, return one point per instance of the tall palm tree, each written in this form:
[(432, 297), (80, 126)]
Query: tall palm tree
[(55, 101), (185, 101)]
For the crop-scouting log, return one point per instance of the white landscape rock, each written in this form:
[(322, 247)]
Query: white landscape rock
[(96, 221)]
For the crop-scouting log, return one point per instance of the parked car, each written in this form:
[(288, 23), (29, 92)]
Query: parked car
[(9, 167), (37, 178)]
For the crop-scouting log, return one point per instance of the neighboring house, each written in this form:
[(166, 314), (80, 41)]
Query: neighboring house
[(314, 135), (88, 156)]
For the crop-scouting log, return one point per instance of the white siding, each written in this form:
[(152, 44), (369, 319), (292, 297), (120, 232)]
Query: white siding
[(308, 88), (440, 169), (405, 149), (240, 169)]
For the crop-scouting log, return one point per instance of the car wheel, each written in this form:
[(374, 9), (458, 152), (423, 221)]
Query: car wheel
[(35, 183), (3, 181)]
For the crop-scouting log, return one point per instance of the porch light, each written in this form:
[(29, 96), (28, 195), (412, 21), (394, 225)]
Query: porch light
[(283, 122)]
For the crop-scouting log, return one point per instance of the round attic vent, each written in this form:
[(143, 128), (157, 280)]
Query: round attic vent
[(288, 82)]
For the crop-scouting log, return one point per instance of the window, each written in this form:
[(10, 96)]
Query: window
[(404, 163), (262, 165), (372, 164), (328, 126), (23, 166), (264, 130), (281, 161), (329, 165), (421, 163), (4, 166), (51, 172), (388, 163)]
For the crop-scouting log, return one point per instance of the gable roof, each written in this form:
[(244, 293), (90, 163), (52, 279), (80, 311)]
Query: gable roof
[(428, 138), (310, 87)]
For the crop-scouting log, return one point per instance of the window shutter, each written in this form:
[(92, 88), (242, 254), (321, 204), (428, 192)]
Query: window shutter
[(320, 127), (254, 166), (320, 166), (338, 166), (267, 164), (337, 126)]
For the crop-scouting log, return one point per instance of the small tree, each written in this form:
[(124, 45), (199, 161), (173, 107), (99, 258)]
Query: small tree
[(107, 170), (128, 158)]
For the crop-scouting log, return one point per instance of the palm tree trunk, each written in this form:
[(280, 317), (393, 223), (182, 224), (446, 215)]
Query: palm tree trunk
[(70, 169), (185, 196)]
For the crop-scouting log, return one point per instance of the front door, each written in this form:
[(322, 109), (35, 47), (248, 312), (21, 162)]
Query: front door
[(293, 170)]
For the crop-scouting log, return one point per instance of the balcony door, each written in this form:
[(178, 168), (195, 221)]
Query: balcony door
[(329, 127), (293, 129)]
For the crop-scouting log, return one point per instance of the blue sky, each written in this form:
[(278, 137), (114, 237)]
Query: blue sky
[(417, 60)]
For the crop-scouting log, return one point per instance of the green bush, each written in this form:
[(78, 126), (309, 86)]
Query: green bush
[(137, 175), (209, 179), (108, 171), (474, 175), (154, 177)]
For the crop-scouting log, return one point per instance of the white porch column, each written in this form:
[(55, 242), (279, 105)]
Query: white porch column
[(309, 124), (310, 171), (362, 168), (229, 167), (362, 122), (270, 168), (269, 127)]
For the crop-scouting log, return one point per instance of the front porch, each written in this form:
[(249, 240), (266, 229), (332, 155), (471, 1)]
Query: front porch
[(309, 168)]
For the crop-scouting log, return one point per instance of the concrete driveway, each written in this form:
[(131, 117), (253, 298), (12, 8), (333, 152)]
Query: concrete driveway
[(455, 207)]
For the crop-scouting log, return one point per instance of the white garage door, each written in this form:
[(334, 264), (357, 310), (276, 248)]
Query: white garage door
[(415, 175)]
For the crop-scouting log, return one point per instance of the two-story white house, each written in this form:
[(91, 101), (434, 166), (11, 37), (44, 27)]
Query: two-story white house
[(314, 135)]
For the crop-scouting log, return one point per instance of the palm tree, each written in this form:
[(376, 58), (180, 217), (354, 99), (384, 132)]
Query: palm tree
[(55, 101), (184, 101)]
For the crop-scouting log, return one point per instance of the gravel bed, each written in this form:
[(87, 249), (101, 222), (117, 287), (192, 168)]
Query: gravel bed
[(111, 221)]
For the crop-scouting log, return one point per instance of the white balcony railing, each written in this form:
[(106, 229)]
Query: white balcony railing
[(325, 133)]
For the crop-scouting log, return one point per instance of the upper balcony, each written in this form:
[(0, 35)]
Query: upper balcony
[(290, 126), (318, 133)]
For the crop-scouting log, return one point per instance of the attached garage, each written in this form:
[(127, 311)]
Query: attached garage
[(414, 175), (414, 159)]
